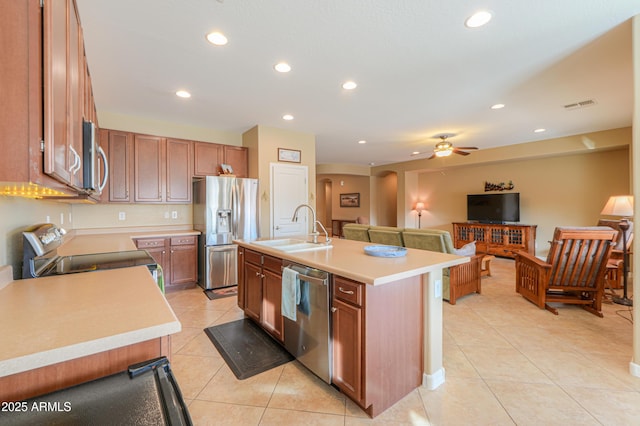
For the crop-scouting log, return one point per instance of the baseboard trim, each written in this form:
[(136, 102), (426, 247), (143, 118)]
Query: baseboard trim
[(432, 381)]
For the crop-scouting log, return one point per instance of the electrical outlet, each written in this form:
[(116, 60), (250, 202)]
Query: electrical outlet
[(61, 219), (437, 289), (174, 214), (122, 216), (48, 219)]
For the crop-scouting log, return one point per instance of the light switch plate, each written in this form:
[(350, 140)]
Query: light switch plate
[(122, 216)]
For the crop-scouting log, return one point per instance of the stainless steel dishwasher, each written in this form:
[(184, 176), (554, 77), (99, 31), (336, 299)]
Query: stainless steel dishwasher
[(309, 337)]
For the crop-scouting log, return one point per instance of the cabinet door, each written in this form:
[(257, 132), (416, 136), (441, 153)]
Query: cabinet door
[(148, 169), (157, 248), (272, 304), (207, 159), (179, 170), (241, 284), (253, 288), (237, 158), (347, 349), (57, 157), (184, 268), (120, 154), (75, 87)]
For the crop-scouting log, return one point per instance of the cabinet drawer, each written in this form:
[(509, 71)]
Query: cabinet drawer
[(150, 243), (272, 263), (184, 240), (253, 257), (348, 291)]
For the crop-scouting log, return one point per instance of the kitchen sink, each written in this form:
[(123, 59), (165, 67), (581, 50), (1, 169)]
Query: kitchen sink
[(291, 245)]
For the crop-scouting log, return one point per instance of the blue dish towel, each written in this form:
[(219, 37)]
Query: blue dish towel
[(304, 305), (290, 293)]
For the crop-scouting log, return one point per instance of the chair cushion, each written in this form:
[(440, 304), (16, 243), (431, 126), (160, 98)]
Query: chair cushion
[(388, 235), (428, 239), (357, 232), (468, 249)]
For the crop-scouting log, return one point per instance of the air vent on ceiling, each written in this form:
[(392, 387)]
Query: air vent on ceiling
[(581, 104)]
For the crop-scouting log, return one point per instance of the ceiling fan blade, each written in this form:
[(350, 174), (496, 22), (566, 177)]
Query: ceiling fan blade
[(467, 147), (457, 151)]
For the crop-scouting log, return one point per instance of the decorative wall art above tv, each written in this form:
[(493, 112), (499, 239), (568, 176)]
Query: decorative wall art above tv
[(488, 186)]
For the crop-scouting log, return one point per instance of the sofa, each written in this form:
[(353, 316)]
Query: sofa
[(458, 280)]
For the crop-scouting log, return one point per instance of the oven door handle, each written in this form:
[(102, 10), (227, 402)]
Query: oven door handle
[(312, 280)]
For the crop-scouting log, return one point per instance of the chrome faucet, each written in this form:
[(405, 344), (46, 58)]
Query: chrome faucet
[(314, 233)]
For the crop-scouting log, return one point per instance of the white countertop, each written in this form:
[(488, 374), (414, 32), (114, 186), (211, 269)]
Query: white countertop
[(48, 320), (347, 258)]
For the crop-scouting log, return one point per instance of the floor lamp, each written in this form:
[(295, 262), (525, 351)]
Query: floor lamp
[(621, 205)]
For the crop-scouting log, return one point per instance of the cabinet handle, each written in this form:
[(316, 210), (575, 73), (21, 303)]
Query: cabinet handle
[(257, 274), (262, 275), (342, 290), (334, 309)]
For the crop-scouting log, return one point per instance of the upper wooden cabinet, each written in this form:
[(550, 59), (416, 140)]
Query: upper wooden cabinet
[(207, 159), (179, 171), (64, 91), (120, 154), (209, 156), (31, 58), (149, 159)]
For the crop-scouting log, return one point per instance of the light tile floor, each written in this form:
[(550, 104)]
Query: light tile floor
[(507, 362)]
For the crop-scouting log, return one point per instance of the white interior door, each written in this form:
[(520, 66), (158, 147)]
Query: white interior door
[(289, 188)]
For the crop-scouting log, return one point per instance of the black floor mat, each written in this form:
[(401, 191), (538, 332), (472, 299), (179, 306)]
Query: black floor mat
[(246, 348)]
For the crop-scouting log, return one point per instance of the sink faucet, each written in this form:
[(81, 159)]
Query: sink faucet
[(314, 233)]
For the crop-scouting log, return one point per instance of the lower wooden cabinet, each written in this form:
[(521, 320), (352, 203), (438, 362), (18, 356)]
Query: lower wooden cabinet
[(178, 257), (497, 239), (262, 290), (347, 349)]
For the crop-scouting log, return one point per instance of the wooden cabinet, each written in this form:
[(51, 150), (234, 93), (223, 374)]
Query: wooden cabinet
[(149, 159), (377, 341), (347, 337), (184, 260), (237, 157), (120, 155), (21, 109), (179, 171), (262, 289), (64, 70), (497, 239), (178, 257), (241, 288), (209, 156)]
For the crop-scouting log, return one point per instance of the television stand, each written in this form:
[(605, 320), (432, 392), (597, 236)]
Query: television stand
[(502, 240)]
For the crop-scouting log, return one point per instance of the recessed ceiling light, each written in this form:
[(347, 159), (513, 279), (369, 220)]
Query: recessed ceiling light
[(287, 117), (349, 85), (217, 38), (282, 67), (183, 94), (362, 142), (539, 130), (478, 19), (372, 163), (497, 106)]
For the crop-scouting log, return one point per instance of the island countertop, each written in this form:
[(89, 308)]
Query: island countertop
[(348, 259)]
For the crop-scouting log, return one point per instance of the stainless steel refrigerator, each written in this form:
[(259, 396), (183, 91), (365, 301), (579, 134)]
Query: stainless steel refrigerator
[(224, 209)]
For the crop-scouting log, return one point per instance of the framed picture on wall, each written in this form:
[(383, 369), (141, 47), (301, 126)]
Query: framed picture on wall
[(289, 155), (350, 200)]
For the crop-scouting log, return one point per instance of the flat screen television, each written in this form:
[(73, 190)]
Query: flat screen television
[(493, 208)]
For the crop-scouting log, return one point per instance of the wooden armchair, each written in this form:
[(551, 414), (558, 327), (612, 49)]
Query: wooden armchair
[(574, 270)]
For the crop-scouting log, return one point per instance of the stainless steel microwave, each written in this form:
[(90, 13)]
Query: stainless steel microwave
[(92, 153)]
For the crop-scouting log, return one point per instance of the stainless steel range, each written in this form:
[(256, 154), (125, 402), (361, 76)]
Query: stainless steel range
[(40, 257)]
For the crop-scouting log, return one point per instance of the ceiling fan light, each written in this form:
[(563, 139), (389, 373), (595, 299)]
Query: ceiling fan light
[(443, 152)]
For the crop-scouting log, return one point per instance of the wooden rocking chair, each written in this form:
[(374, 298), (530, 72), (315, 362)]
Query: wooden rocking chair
[(574, 270)]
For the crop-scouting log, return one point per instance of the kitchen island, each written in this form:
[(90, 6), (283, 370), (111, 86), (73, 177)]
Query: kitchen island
[(62, 330), (387, 315)]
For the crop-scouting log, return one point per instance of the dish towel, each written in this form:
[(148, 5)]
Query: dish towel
[(290, 293)]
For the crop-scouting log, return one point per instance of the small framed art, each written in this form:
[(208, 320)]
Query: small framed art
[(289, 155)]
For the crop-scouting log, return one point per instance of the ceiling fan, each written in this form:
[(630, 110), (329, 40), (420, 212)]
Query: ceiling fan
[(444, 148)]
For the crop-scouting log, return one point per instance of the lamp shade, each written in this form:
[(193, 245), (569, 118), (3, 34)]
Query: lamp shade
[(419, 206), (619, 205)]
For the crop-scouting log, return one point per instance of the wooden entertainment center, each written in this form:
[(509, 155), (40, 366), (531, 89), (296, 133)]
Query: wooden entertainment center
[(497, 239)]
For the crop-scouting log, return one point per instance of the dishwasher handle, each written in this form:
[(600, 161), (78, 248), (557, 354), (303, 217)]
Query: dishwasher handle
[(309, 279)]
